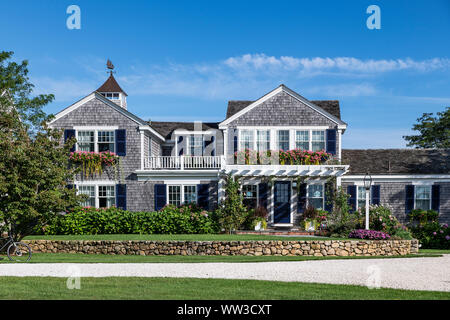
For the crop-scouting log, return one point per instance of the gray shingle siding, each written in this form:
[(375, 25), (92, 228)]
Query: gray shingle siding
[(282, 110)]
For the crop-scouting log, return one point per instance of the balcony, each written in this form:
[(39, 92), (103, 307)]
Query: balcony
[(183, 162)]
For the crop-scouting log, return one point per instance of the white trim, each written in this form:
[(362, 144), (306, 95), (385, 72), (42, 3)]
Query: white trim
[(141, 134), (96, 184), (153, 131), (183, 131), (292, 93), (431, 195), (95, 128), (182, 185), (181, 181)]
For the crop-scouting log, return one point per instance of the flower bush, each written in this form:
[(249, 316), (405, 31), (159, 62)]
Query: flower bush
[(426, 228), (186, 219), (93, 162), (369, 234), (289, 157)]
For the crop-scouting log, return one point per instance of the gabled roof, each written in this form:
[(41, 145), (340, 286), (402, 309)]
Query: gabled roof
[(331, 106), (397, 161), (111, 85), (239, 108), (96, 95), (167, 128)]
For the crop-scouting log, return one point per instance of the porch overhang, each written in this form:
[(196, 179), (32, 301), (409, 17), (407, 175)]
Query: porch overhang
[(287, 170)]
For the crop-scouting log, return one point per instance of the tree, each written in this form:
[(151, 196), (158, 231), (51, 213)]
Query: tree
[(34, 168), (232, 212), (434, 131)]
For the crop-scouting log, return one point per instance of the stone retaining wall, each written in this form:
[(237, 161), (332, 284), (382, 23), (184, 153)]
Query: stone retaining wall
[(226, 248)]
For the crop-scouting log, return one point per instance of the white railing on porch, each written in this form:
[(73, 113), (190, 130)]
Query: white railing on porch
[(182, 162)]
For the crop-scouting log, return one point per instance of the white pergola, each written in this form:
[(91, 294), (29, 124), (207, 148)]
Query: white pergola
[(286, 170)]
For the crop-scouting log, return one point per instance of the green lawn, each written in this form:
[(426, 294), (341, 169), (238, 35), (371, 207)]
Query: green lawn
[(433, 251), (184, 288), (180, 237), (105, 258)]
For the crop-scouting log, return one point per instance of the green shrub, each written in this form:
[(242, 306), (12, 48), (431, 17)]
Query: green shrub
[(423, 216), (432, 235), (186, 219)]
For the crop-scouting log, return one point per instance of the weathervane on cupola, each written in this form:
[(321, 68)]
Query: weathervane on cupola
[(110, 66)]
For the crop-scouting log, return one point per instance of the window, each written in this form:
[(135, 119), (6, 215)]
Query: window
[(196, 145), (111, 95), (362, 197), (181, 194), (105, 141), (250, 193), (246, 139), (283, 139), (85, 141), (422, 197), (90, 191), (315, 196), (263, 140), (175, 195), (318, 140), (302, 140), (190, 194), (106, 196)]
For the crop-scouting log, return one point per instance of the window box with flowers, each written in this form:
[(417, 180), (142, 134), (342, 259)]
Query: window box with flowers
[(93, 163)]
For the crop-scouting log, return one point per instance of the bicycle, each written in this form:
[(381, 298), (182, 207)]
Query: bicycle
[(17, 251)]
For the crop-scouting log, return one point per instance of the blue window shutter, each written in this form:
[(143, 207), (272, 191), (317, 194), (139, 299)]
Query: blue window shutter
[(376, 195), (160, 196), (409, 198), (301, 198), (235, 144), (68, 134), (203, 195), (351, 190), (435, 197), (121, 196), (263, 192), (329, 196), (121, 142), (331, 141), (180, 150)]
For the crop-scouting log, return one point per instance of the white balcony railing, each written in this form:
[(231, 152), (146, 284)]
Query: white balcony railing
[(182, 162)]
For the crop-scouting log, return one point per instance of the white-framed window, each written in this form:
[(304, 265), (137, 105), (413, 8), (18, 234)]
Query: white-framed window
[(181, 194), (318, 140), (250, 195), (315, 195), (262, 140), (106, 196), (196, 145), (246, 139), (86, 141), (105, 141), (100, 196), (174, 195), (283, 139), (90, 191), (95, 140), (190, 194), (302, 139), (111, 95), (422, 197), (361, 197)]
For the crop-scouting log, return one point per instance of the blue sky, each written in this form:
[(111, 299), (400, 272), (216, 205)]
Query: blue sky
[(183, 60)]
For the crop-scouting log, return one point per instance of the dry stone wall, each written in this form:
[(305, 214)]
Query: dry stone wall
[(229, 248)]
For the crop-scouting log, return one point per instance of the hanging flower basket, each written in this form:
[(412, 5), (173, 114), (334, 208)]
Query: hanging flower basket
[(93, 162)]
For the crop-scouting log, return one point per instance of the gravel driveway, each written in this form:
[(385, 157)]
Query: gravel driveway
[(403, 273)]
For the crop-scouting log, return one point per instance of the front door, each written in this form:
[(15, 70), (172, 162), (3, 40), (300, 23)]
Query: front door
[(282, 205)]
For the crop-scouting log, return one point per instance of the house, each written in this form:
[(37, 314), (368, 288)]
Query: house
[(179, 162)]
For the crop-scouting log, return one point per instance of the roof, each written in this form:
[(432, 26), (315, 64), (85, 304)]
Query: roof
[(397, 161), (330, 106), (166, 128), (110, 85)]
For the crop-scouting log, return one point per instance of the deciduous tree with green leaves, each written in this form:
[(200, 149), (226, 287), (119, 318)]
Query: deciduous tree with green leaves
[(34, 167), (434, 132)]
